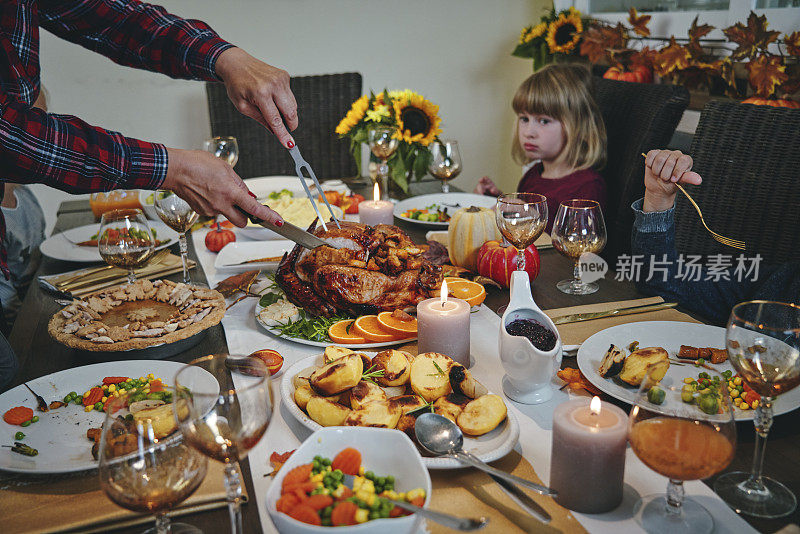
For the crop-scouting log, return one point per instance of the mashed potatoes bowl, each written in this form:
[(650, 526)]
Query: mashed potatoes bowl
[(296, 210)]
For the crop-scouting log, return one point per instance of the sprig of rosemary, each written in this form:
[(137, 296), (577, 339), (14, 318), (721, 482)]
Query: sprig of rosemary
[(416, 411), (369, 374), (310, 328), (439, 371)]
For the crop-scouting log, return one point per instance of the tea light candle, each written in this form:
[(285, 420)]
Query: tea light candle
[(443, 327), (376, 211), (587, 462)]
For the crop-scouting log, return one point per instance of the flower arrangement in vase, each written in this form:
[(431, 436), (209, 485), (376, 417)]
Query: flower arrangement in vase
[(556, 37)]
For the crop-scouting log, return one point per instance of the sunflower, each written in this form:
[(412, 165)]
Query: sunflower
[(564, 33), (536, 31), (356, 113), (378, 113), (417, 119)]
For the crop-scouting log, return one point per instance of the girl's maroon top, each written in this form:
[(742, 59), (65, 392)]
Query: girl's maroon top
[(585, 184)]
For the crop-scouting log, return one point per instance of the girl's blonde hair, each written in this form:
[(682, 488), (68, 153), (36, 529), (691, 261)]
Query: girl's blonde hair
[(564, 92)]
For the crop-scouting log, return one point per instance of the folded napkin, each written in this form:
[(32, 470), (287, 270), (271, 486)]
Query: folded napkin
[(577, 333), (76, 503), (171, 264), (543, 242)]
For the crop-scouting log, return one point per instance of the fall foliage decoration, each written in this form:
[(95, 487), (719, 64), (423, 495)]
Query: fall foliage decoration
[(238, 283), (576, 381)]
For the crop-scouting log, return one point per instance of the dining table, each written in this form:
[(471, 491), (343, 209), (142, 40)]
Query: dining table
[(41, 355)]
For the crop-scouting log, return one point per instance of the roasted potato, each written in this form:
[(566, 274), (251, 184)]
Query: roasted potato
[(304, 393), (394, 391), (338, 375), (451, 405), (462, 382), (326, 411), (382, 414), (429, 375), (612, 362), (406, 424), (333, 353), (639, 361), (408, 403), (396, 367), (303, 376), (161, 418), (365, 392), (482, 415)]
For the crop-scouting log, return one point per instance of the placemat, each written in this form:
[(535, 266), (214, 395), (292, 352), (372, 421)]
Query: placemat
[(73, 503), (577, 333), (469, 492)]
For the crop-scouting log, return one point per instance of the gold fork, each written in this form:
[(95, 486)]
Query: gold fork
[(104, 277), (733, 243)]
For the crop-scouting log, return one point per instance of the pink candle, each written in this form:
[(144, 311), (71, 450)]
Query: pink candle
[(443, 327), (376, 211), (587, 461)]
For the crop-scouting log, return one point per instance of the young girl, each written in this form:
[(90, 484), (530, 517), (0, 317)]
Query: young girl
[(560, 130)]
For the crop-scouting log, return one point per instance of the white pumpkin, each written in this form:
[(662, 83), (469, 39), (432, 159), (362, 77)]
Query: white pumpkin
[(469, 229)]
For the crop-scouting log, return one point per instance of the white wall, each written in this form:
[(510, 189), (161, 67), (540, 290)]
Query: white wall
[(454, 52)]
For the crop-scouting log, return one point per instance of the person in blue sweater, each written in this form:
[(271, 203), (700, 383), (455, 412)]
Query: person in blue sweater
[(653, 237)]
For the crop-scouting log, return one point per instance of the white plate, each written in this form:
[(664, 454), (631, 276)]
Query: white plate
[(60, 434), (235, 253), (670, 335), (276, 333), (147, 200), (452, 201), (489, 447), (56, 246)]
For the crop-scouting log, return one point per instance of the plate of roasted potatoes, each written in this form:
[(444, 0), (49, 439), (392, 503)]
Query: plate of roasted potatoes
[(390, 389)]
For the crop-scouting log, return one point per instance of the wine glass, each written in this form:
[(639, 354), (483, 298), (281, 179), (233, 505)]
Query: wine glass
[(143, 470), (521, 218), (446, 162), (578, 228), (681, 441), (383, 144), (178, 215), (225, 148), (763, 342), (226, 418), (125, 240)]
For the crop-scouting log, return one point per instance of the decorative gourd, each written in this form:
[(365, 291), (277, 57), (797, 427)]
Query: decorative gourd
[(216, 239), (774, 102), (636, 73), (469, 229), (499, 262)]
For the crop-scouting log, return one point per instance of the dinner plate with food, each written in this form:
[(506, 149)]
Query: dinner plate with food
[(389, 389), (80, 244), (250, 255), (64, 438), (616, 360), (436, 209)]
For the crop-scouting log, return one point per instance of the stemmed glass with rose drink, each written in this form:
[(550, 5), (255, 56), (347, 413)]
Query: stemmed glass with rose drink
[(225, 148), (521, 218), (178, 215), (578, 228), (763, 342), (680, 441), (125, 240), (446, 162), (383, 144)]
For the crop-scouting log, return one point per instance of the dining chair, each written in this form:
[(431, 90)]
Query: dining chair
[(749, 159), (638, 117), (322, 101)]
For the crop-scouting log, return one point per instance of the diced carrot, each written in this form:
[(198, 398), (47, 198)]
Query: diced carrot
[(344, 514), (301, 487), (318, 502), (305, 514), (299, 474), (751, 396), (18, 415), (346, 493), (114, 379), (156, 386), (287, 502), (94, 396), (348, 461), (418, 501), (396, 512)]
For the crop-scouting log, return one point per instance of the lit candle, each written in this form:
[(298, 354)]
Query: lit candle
[(443, 327), (376, 211), (587, 462)]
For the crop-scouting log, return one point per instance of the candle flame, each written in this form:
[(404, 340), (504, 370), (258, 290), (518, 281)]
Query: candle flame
[(376, 193), (594, 406), (443, 296)]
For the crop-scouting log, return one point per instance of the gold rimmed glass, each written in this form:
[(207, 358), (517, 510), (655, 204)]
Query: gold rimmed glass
[(521, 218), (446, 162), (125, 240), (578, 229), (383, 143), (178, 215)]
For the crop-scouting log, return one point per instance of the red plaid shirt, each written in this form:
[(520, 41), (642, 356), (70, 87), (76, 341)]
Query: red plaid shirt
[(63, 151)]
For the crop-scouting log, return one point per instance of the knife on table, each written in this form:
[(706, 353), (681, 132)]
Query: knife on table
[(577, 317), (523, 500)]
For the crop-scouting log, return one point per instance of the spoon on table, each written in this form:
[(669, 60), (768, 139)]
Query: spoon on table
[(442, 437)]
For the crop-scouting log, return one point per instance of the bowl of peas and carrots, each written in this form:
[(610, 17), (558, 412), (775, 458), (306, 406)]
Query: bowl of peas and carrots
[(308, 494)]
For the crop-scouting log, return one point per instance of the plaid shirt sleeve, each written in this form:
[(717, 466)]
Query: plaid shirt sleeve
[(137, 35)]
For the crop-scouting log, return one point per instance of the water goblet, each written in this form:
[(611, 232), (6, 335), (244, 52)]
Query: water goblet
[(578, 228), (225, 148), (383, 144), (125, 240), (446, 162), (178, 215), (521, 218)]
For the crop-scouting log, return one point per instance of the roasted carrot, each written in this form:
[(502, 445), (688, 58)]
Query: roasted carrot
[(348, 461), (344, 514), (306, 514), (18, 415)]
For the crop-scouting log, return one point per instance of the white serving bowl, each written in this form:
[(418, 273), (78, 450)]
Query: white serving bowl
[(383, 451)]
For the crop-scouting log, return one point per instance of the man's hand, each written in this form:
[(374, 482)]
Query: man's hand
[(259, 91), (662, 170), (487, 187), (211, 187)]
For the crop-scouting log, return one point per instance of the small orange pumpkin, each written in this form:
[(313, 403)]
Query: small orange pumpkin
[(636, 73), (216, 239), (774, 102)]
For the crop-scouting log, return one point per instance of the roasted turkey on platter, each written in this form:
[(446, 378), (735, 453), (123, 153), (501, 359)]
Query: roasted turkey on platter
[(376, 269)]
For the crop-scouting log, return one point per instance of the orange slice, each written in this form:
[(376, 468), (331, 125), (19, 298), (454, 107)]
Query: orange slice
[(338, 332), (397, 326), (369, 327), (472, 292)]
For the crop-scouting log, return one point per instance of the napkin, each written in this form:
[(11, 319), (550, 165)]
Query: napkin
[(577, 333), (542, 243), (76, 503)]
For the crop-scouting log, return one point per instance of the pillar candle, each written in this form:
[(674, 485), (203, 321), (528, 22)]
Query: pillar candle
[(587, 462), (376, 211), (443, 327)]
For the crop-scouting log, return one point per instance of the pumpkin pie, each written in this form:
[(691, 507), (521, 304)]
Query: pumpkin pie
[(137, 316)]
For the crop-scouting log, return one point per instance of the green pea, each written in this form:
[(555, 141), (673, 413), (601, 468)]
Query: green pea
[(19, 435), (326, 461), (98, 405), (35, 419), (369, 475), (73, 394), (374, 515), (390, 479), (66, 399), (656, 395), (26, 423), (326, 522)]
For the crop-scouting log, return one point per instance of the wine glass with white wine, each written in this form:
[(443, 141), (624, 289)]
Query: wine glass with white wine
[(446, 162), (225, 148), (579, 228), (383, 144), (521, 218), (178, 215), (125, 240)]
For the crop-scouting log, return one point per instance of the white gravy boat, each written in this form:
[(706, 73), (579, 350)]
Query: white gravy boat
[(529, 371)]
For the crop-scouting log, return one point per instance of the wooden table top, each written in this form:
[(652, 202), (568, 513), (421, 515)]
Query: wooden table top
[(39, 355)]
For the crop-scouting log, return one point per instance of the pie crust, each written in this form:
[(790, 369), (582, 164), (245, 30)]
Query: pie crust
[(137, 316)]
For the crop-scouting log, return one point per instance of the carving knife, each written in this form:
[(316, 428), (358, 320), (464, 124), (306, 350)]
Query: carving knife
[(291, 232)]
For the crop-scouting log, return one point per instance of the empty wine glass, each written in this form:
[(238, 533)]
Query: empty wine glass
[(125, 240), (681, 441), (142, 469), (446, 162), (178, 215), (578, 228), (383, 144), (763, 342), (226, 418), (521, 218), (225, 148)]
